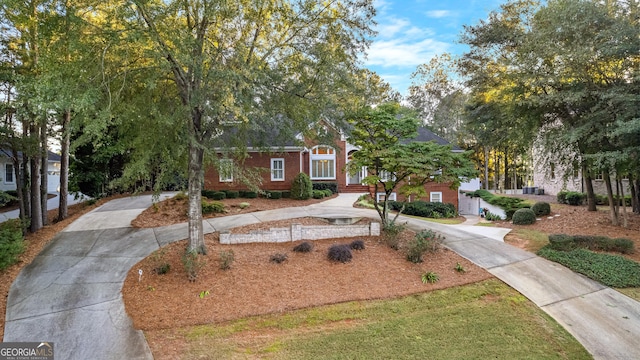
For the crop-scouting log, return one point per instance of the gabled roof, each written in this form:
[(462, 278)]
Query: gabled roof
[(426, 135), (52, 156)]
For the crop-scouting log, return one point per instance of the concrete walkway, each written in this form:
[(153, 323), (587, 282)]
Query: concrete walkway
[(70, 294), (52, 203)]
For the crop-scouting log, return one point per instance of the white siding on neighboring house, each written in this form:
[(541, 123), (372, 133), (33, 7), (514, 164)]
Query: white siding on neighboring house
[(8, 183)]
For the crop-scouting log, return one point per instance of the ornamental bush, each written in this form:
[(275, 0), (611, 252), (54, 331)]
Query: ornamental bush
[(333, 186), (318, 194), (357, 245), (574, 198), (524, 217), (303, 247), (218, 195), (541, 208), (278, 258), (11, 242), (232, 194), (340, 253), (212, 207), (301, 188)]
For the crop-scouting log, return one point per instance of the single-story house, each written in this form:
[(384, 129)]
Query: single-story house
[(322, 162), (8, 174)]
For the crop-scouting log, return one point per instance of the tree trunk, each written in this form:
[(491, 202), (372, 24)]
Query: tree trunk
[(507, 180), (635, 196), (44, 171), (35, 162), (26, 176), (612, 207), (64, 166), (486, 168), (496, 168), (196, 236), (625, 219), (591, 196)]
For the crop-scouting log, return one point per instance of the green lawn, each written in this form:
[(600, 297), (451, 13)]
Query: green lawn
[(478, 321)]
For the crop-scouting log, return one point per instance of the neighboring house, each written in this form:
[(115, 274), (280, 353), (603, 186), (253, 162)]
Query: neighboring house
[(8, 174), (322, 162)]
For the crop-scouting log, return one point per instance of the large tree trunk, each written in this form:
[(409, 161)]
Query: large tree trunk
[(635, 194), (612, 202), (507, 180), (591, 196), (625, 218), (486, 168), (35, 162), (196, 236), (64, 166), (44, 172)]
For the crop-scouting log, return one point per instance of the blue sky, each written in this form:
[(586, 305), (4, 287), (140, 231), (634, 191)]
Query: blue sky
[(411, 32)]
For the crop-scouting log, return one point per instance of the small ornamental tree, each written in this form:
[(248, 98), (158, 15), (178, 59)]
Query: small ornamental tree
[(396, 163), (301, 187)]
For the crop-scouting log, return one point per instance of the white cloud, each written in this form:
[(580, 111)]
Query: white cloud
[(402, 53), (439, 13), (392, 27)]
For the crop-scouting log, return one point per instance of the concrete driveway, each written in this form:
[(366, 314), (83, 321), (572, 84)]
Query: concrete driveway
[(70, 294)]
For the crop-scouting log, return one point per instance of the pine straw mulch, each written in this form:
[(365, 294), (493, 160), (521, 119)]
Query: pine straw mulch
[(174, 211), (254, 285), (576, 220)]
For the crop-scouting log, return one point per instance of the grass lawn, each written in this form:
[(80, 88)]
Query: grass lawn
[(482, 320), (537, 239)]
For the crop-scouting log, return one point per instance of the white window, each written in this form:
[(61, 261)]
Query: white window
[(323, 163), (435, 196), (380, 197), (8, 174), (277, 169), (226, 170)]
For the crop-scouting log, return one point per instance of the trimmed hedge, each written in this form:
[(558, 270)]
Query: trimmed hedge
[(247, 194), (232, 194), (208, 193), (509, 204), (318, 194), (610, 270), (274, 194), (524, 217), (571, 197), (541, 208), (212, 207), (434, 210), (564, 242), (333, 186)]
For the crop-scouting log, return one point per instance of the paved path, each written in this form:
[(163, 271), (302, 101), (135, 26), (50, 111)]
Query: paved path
[(70, 294), (52, 203)]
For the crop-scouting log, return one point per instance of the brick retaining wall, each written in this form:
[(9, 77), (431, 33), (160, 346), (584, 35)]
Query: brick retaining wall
[(298, 232)]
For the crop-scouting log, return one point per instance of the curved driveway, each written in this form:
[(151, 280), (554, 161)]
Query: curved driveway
[(71, 293)]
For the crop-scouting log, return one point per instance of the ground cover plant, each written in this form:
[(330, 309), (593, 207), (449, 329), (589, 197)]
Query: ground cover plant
[(479, 321)]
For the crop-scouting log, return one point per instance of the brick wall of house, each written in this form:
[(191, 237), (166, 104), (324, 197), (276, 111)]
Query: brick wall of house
[(255, 159)]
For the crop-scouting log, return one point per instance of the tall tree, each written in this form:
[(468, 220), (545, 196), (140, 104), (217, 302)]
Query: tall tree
[(234, 62)]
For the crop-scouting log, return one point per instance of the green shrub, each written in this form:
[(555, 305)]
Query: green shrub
[(274, 194), (286, 194), (541, 208), (218, 195), (327, 192), (318, 194), (492, 217), (430, 277), (11, 242), (333, 186), (610, 270), (425, 209), (424, 241), (248, 194), (227, 257), (181, 196), (357, 245), (192, 264), (301, 188), (390, 234), (524, 217), (509, 204), (208, 193), (232, 194), (6, 198), (212, 207), (244, 205), (561, 197), (574, 198), (561, 242)]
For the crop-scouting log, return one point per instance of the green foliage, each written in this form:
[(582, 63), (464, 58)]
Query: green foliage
[(301, 188), (610, 270), (524, 217), (424, 241), (11, 242), (245, 194), (278, 258), (390, 234), (333, 186), (203, 294), (492, 217), (192, 264), (181, 196), (218, 195), (6, 198), (232, 194), (227, 257), (459, 268), (286, 194), (574, 198), (161, 266), (212, 207), (244, 205), (318, 194), (509, 204), (208, 193), (564, 242), (274, 194), (541, 208), (327, 192), (425, 209), (430, 277)]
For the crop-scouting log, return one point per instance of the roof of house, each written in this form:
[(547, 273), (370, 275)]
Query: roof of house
[(425, 135), (52, 156)]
